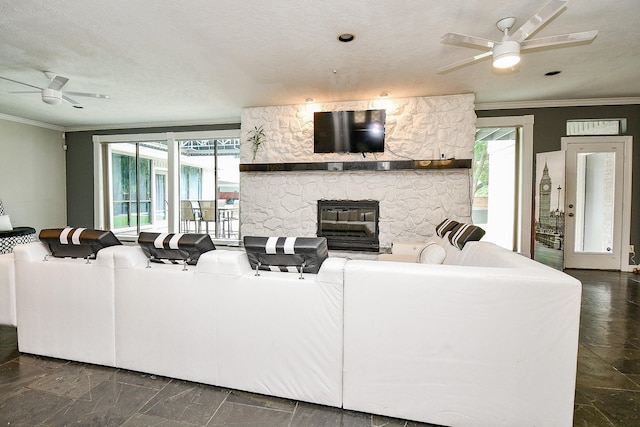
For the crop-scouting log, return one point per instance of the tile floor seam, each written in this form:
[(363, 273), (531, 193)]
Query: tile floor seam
[(151, 398), (261, 407), (228, 393), (603, 415), (293, 414)]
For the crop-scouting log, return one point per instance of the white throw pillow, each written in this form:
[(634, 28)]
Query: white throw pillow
[(5, 223), (432, 253)]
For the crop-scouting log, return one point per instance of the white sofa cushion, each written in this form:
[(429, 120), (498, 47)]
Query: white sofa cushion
[(279, 335), (166, 317), (5, 223), (65, 307), (7, 290)]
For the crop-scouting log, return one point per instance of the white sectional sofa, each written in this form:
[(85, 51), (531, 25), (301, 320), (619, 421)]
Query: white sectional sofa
[(488, 338)]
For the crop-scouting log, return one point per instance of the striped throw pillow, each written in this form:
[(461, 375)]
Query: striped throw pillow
[(445, 226), (464, 233)]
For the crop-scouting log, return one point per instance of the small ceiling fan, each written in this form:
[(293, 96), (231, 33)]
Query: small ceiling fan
[(53, 94), (506, 52)]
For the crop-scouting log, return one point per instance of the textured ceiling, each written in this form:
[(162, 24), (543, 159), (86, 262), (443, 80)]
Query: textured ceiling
[(203, 60)]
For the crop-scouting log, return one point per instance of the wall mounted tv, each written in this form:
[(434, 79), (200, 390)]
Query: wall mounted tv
[(348, 131)]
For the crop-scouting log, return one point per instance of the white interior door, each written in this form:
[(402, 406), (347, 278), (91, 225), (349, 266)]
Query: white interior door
[(594, 204)]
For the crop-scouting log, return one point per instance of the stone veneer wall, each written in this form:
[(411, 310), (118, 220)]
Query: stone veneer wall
[(411, 202)]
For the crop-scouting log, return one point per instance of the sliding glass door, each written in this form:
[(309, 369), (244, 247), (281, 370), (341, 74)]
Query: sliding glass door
[(210, 186), (135, 188), (169, 183)]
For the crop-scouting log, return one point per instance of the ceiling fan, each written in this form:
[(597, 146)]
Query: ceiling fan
[(506, 52), (53, 94)]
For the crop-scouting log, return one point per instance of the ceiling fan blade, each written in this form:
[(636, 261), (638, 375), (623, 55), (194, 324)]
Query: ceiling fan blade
[(564, 39), (20, 83), (465, 61), (25, 91), (462, 39), (89, 95), (539, 19), (70, 100), (58, 82)]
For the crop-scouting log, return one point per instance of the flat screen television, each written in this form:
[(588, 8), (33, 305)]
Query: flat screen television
[(349, 131)]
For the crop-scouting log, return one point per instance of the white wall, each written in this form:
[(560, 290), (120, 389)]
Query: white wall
[(32, 175), (412, 203)]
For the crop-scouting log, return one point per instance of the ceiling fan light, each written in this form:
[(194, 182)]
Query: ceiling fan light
[(506, 54), (50, 96)]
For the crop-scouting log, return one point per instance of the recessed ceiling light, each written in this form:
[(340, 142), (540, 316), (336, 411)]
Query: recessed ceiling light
[(308, 100), (346, 37), (552, 73), (384, 94)]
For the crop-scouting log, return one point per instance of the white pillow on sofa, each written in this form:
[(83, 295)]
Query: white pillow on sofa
[(5, 223), (432, 253)]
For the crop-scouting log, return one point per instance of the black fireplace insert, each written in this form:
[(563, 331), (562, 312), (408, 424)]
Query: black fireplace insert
[(349, 224)]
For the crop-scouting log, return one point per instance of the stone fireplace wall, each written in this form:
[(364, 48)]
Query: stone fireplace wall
[(412, 202)]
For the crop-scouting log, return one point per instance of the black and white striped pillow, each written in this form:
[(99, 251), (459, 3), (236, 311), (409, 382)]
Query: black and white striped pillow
[(445, 226), (72, 242), (286, 254), (175, 248), (464, 233)]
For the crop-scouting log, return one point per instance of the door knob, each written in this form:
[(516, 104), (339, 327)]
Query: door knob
[(570, 206)]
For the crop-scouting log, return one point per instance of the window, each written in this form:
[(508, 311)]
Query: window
[(596, 127), (145, 179), (136, 192), (190, 182), (126, 176)]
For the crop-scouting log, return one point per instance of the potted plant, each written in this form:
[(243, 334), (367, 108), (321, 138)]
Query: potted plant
[(256, 138)]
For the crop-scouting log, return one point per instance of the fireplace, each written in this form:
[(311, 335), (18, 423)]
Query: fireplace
[(349, 224)]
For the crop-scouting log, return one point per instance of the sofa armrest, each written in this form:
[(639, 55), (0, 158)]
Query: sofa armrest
[(407, 248), (7, 290), (332, 270), (35, 251), (398, 258)]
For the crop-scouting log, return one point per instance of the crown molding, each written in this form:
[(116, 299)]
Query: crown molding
[(29, 122), (587, 102), (224, 121)]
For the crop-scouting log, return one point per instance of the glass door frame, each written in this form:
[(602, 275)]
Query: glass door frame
[(524, 176), (627, 162)]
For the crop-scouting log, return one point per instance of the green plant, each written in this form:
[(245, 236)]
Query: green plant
[(256, 138)]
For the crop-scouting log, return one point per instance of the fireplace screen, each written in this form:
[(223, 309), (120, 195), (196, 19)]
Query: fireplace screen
[(349, 224)]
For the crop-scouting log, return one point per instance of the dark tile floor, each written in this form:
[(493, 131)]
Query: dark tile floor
[(38, 391)]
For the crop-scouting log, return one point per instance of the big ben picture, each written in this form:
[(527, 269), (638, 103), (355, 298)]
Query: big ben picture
[(549, 209)]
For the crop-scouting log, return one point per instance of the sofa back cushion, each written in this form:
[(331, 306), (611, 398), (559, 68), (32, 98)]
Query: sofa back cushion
[(76, 242), (175, 248), (486, 254), (291, 254)]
